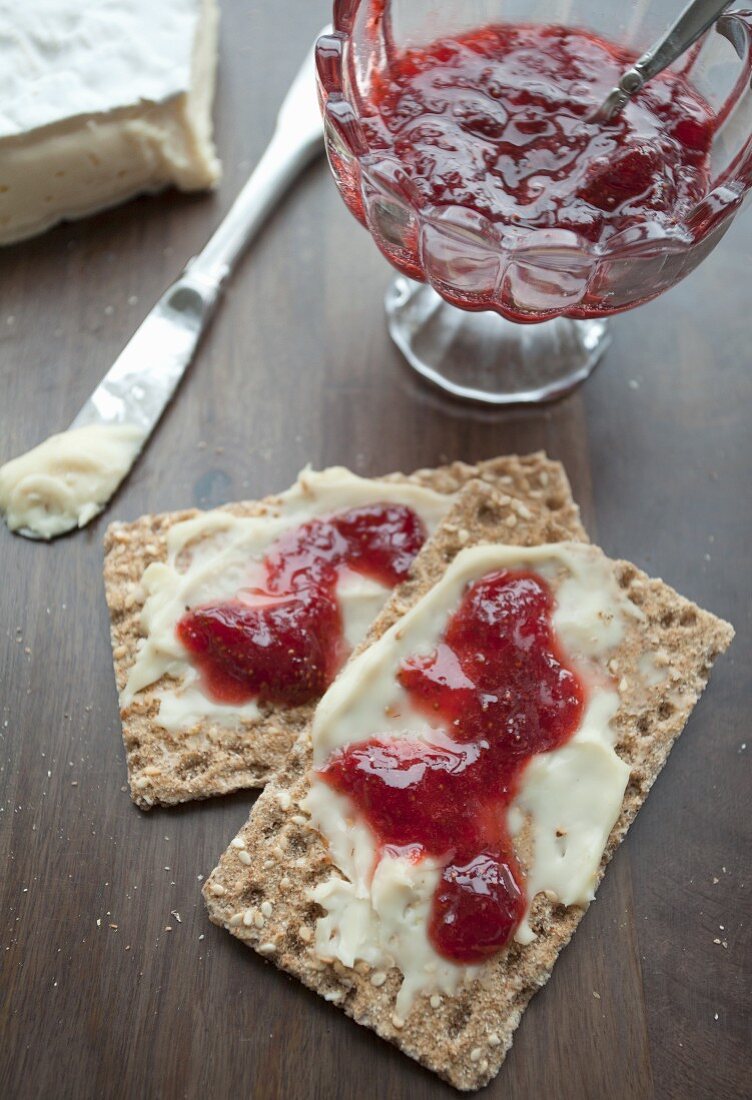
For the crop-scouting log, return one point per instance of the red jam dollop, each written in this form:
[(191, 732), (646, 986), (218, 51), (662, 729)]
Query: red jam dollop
[(496, 121), (283, 642), (500, 687)]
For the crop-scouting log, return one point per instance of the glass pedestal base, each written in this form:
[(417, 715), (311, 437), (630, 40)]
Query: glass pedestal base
[(482, 356)]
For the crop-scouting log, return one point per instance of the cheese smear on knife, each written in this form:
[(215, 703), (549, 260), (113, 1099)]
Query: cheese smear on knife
[(211, 557), (378, 902), (99, 102), (67, 480)]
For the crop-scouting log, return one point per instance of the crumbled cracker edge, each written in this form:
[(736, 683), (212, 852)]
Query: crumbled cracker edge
[(163, 768), (260, 889)]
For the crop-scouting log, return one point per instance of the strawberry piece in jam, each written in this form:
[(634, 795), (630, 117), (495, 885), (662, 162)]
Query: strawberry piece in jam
[(283, 643), (378, 540), (286, 649), (502, 690)]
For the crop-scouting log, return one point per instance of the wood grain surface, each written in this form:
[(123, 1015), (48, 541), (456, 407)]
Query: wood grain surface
[(112, 981)]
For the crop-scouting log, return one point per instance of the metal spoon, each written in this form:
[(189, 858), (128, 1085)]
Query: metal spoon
[(691, 25), (136, 390)]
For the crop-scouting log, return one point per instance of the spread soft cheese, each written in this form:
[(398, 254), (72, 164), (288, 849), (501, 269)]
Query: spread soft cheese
[(570, 797), (212, 556), (66, 481), (100, 101)]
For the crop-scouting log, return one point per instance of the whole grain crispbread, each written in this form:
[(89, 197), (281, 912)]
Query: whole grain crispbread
[(211, 759), (261, 889)]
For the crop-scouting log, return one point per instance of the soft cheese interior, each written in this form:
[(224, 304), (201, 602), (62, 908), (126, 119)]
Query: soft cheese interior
[(215, 554), (570, 797), (101, 101)]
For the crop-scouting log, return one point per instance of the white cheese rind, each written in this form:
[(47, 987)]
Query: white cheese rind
[(224, 555), (99, 102), (571, 797), (66, 481)]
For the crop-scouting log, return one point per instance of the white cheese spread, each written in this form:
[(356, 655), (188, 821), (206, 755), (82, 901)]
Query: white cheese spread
[(571, 797), (101, 101), (66, 481), (216, 554)]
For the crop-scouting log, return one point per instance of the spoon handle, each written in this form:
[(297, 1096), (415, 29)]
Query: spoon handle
[(696, 18)]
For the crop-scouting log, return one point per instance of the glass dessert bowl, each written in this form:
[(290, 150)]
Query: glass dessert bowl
[(460, 135)]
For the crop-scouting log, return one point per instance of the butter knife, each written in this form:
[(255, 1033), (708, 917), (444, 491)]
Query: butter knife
[(39, 502)]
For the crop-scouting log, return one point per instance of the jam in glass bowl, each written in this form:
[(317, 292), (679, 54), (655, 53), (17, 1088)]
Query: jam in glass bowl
[(460, 134)]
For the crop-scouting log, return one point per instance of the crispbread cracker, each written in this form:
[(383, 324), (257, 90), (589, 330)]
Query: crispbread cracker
[(260, 890), (210, 759)]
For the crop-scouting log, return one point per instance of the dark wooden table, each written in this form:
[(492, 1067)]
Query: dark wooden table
[(99, 998)]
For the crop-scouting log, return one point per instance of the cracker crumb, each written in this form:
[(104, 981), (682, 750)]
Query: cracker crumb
[(522, 510)]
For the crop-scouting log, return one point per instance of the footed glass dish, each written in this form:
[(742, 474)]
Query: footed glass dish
[(506, 313)]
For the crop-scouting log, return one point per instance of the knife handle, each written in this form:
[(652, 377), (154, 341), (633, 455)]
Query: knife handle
[(281, 162)]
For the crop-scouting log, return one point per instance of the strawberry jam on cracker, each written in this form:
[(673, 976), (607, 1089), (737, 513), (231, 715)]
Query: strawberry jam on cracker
[(502, 691), (283, 642)]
